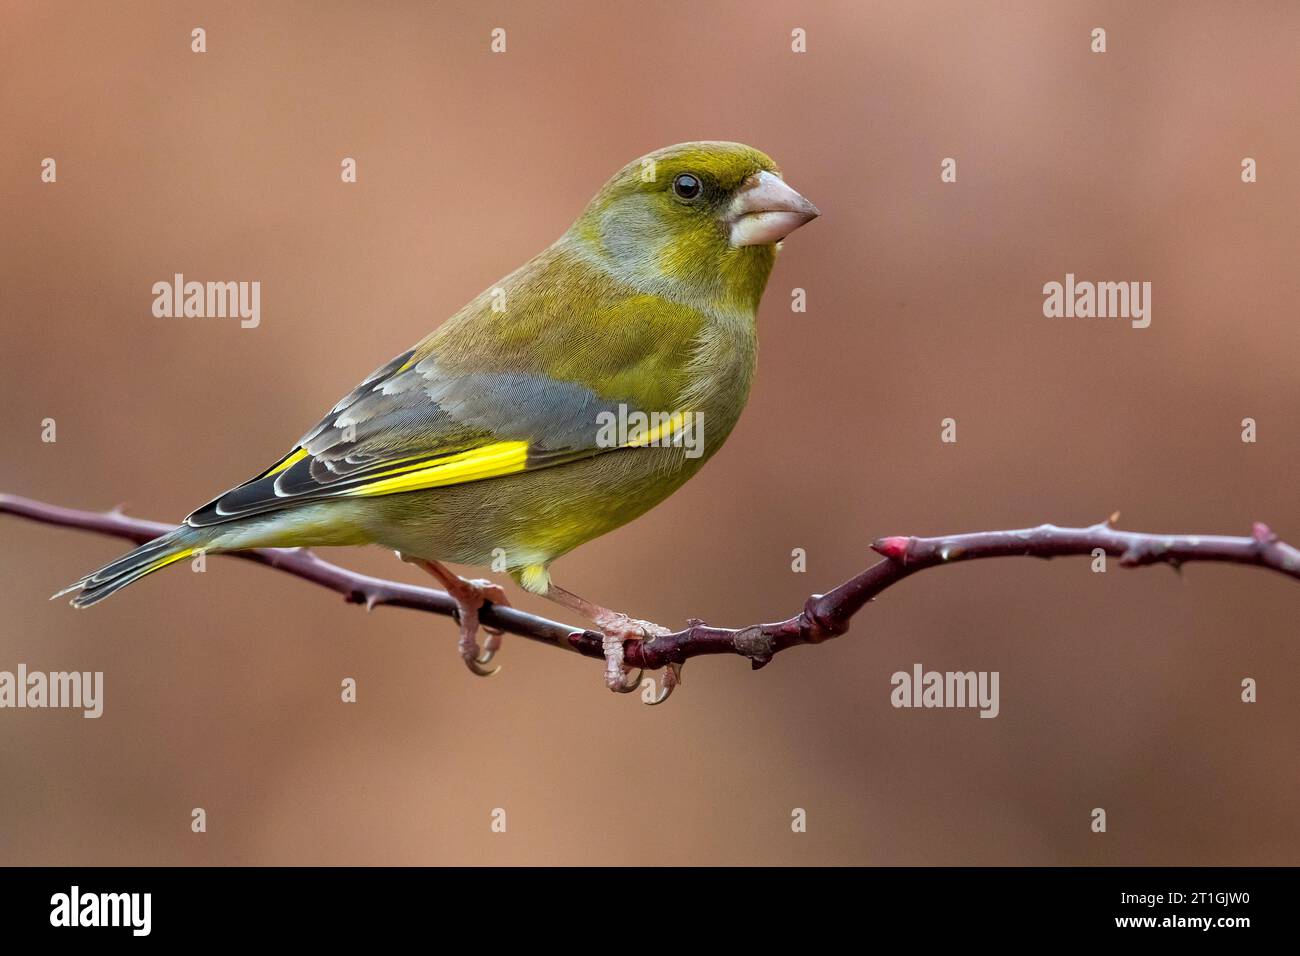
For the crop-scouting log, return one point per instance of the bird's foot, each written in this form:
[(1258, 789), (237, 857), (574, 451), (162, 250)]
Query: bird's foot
[(470, 595), (618, 628)]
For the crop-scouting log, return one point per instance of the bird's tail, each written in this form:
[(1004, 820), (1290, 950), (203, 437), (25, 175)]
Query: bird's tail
[(175, 545)]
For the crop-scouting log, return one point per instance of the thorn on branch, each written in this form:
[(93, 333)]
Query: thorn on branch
[(1148, 551)]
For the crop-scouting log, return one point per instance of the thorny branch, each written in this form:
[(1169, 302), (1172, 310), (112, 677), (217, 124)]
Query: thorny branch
[(823, 616)]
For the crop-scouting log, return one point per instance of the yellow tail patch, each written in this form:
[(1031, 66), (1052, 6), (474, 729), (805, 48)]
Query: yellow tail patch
[(169, 559)]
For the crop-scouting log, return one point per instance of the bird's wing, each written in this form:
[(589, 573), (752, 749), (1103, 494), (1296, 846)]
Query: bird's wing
[(411, 425)]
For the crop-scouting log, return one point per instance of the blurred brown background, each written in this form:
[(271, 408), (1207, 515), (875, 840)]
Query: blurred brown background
[(924, 301)]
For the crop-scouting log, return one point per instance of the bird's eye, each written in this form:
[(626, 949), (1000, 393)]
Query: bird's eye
[(687, 186)]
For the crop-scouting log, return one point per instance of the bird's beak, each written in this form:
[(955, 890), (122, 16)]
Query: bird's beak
[(766, 210)]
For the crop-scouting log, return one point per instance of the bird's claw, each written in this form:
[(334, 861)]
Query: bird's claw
[(475, 665), (470, 597), (672, 677), (491, 645), (474, 657)]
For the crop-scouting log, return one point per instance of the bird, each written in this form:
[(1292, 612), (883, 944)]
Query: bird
[(564, 401)]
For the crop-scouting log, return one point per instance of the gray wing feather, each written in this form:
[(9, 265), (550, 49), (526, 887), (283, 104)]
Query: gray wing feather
[(406, 414)]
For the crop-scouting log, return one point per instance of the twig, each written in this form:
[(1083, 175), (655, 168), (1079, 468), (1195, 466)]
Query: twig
[(823, 616)]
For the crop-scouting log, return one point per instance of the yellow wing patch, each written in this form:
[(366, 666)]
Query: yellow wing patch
[(490, 461), (662, 434), (285, 463)]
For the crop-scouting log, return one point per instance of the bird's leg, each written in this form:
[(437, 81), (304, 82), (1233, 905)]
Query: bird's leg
[(617, 628), (470, 596)]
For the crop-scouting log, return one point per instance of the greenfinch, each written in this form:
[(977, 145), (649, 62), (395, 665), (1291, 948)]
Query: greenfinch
[(574, 395)]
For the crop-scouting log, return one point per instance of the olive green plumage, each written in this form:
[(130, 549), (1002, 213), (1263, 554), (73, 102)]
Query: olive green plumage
[(481, 442)]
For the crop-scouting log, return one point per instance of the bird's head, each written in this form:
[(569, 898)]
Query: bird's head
[(695, 222)]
